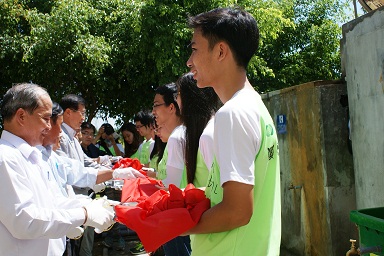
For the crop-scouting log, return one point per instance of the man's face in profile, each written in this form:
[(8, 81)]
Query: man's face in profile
[(38, 124)]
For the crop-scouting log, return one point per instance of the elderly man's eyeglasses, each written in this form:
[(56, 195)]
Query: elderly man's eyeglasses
[(82, 113)]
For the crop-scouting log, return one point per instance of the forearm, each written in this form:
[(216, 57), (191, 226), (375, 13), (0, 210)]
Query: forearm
[(234, 211), (214, 220), (104, 175)]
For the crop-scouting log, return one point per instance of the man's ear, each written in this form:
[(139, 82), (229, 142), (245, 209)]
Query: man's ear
[(172, 107), (67, 112), (20, 116), (222, 49)]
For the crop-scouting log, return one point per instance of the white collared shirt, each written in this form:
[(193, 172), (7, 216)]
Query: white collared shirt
[(30, 220), (67, 171)]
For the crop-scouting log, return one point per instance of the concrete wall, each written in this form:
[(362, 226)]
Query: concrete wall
[(363, 67), (314, 155)]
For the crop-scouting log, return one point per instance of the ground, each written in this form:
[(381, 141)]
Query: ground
[(130, 238)]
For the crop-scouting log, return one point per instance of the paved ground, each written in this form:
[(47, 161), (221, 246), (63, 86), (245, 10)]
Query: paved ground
[(100, 250), (130, 241)]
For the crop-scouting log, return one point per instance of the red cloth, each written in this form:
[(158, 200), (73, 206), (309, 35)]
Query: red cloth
[(137, 190), (164, 216), (129, 162)]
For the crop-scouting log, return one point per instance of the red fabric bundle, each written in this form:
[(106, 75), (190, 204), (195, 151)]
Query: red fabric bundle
[(129, 162), (164, 216), (137, 190)]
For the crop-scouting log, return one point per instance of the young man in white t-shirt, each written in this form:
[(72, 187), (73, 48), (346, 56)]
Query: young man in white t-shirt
[(244, 182)]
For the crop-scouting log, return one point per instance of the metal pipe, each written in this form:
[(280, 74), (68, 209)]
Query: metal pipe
[(371, 249), (361, 251), (294, 187)]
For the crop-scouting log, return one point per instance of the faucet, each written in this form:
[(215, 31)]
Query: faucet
[(294, 187), (353, 250), (361, 251)]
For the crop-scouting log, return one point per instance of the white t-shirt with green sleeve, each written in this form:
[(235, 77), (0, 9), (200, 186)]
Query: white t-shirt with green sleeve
[(246, 151)]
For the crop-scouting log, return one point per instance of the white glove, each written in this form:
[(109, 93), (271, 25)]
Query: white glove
[(114, 159), (127, 173), (75, 233), (83, 199), (99, 188), (104, 160), (148, 169), (100, 215)]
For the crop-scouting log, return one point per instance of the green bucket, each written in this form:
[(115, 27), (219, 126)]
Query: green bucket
[(370, 223)]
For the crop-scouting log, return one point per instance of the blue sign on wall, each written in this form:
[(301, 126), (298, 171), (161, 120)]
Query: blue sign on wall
[(281, 124)]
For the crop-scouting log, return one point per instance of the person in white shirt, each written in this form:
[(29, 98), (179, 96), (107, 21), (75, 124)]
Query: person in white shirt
[(244, 180), (68, 171), (74, 115), (31, 220), (167, 114), (197, 106)]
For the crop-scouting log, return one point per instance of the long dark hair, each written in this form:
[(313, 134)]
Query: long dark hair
[(198, 107), (130, 149), (158, 149)]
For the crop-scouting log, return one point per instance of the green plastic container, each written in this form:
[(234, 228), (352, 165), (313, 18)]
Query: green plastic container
[(371, 227)]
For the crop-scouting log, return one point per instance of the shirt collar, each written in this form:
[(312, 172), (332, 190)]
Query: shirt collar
[(71, 132), (46, 151), (25, 149)]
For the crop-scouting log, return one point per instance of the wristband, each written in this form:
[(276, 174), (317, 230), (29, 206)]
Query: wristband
[(86, 215)]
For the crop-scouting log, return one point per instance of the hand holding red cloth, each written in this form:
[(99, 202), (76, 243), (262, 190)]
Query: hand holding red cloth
[(164, 216), (137, 190), (129, 162)]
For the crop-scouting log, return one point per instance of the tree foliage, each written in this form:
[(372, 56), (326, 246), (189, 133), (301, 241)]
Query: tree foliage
[(307, 51), (115, 52)]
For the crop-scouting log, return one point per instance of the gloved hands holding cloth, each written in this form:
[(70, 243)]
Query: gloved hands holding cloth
[(99, 214), (127, 173), (163, 215)]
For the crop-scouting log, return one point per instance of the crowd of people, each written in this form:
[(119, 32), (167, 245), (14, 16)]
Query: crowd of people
[(209, 128)]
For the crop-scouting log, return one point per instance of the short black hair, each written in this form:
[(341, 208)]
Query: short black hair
[(145, 118), (72, 101), (88, 125), (235, 26)]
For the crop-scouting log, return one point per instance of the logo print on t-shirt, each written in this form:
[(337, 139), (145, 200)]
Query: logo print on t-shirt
[(269, 130), (271, 152)]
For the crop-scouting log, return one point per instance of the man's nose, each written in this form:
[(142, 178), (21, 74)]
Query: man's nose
[(189, 62)]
